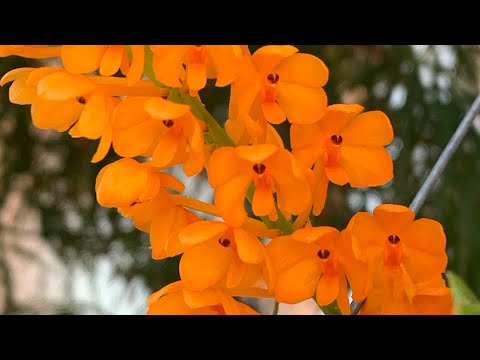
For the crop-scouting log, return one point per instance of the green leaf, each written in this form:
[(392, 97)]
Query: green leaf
[(471, 309), (465, 301), (331, 309), (462, 295)]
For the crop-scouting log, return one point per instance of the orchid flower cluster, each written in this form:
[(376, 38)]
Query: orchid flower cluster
[(144, 103)]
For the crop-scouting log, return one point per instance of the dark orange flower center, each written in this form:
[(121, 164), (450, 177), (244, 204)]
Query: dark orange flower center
[(81, 100), (393, 239), (392, 256), (168, 123), (336, 139), (259, 168), (323, 254), (224, 242), (197, 54), (273, 78)]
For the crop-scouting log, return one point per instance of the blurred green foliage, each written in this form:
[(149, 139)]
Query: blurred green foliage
[(425, 91)]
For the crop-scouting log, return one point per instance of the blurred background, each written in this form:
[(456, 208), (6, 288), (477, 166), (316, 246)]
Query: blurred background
[(61, 253)]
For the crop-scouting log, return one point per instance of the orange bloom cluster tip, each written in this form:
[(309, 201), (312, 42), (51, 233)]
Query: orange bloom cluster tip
[(143, 103)]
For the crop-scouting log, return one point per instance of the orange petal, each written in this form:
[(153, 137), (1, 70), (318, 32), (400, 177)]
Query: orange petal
[(302, 105), (393, 217), (342, 298), (21, 94), (202, 231), (162, 109), (204, 298), (111, 60), (337, 116), (284, 252), (424, 249), (224, 165), (262, 202), (15, 74), (64, 86), (182, 219), (298, 283), (356, 271), (138, 62), (170, 181), (103, 146), (167, 63), (235, 272), (366, 166), (131, 121), (212, 258), (434, 305), (320, 189), (372, 128), (173, 287), (196, 75), (225, 63), (311, 235), (303, 69), (193, 164), (368, 237), (249, 247), (305, 143), (327, 289), (273, 113), (174, 304), (161, 229), (82, 59), (166, 150), (94, 118), (337, 175), (273, 137), (58, 115), (229, 199), (255, 153), (268, 57), (293, 192)]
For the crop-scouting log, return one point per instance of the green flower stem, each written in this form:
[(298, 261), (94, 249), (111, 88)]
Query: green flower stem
[(148, 69), (216, 134)]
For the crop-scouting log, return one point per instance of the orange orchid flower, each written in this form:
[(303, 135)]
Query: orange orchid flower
[(389, 297), (344, 146), (163, 219), (63, 101), (127, 181), (222, 252), (201, 62), (278, 83), (137, 190), (164, 130), (314, 261), (272, 169), (107, 59), (393, 243), (176, 299)]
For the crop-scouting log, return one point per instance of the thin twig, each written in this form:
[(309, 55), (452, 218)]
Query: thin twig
[(438, 168), (445, 156), (276, 306)]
